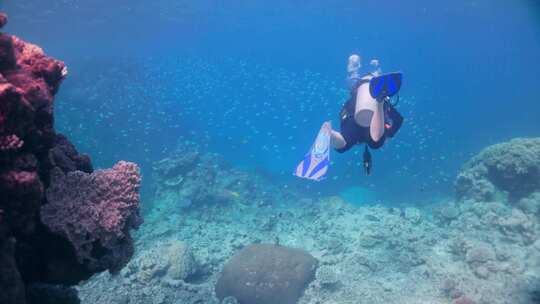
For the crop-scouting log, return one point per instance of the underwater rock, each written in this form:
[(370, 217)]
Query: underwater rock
[(7, 54), (64, 156), (266, 274), (508, 169), (95, 212), (3, 20), (11, 285), (51, 294)]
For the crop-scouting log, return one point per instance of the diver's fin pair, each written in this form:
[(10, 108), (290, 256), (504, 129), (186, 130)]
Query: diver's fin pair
[(386, 85), (314, 166)]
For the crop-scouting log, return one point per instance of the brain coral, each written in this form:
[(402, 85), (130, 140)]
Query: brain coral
[(95, 213), (266, 274), (511, 168)]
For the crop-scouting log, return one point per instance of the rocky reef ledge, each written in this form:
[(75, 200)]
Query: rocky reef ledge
[(60, 221)]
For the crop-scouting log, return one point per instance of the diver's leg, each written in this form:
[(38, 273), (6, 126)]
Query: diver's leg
[(364, 106), (369, 110), (336, 140), (376, 128)]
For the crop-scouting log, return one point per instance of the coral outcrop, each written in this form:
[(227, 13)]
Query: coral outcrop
[(266, 274), (507, 170), (95, 212), (168, 261), (34, 159)]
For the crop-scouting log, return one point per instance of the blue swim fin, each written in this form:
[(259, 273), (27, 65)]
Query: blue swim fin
[(386, 85), (314, 166)]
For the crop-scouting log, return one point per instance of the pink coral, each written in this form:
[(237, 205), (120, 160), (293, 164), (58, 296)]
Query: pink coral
[(10, 142), (95, 208), (463, 300), (28, 81)]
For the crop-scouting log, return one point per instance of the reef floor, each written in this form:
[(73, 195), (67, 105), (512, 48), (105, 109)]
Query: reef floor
[(447, 252)]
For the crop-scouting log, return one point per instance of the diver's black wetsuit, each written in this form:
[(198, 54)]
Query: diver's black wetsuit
[(355, 134)]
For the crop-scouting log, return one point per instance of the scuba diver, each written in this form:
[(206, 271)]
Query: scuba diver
[(363, 118), (367, 117)]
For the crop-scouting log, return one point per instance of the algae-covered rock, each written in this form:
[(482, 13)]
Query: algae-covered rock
[(266, 274)]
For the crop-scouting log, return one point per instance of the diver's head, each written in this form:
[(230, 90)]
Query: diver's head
[(354, 64)]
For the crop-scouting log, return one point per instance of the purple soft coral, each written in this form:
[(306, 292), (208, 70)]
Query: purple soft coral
[(95, 212)]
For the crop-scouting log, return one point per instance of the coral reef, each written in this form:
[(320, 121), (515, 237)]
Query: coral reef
[(31, 154), (163, 272), (452, 252), (510, 169), (191, 177), (266, 274)]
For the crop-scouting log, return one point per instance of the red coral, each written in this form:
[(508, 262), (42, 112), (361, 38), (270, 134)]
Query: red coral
[(28, 82), (102, 206)]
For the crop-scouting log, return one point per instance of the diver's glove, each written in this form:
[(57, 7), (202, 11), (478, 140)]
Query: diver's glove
[(384, 99)]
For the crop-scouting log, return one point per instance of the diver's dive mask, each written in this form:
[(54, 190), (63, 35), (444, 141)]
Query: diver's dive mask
[(367, 161)]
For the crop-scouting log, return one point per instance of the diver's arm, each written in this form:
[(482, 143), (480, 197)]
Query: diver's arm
[(376, 127), (397, 121)]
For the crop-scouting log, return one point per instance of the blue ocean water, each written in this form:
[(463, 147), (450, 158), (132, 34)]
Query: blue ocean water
[(254, 80)]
